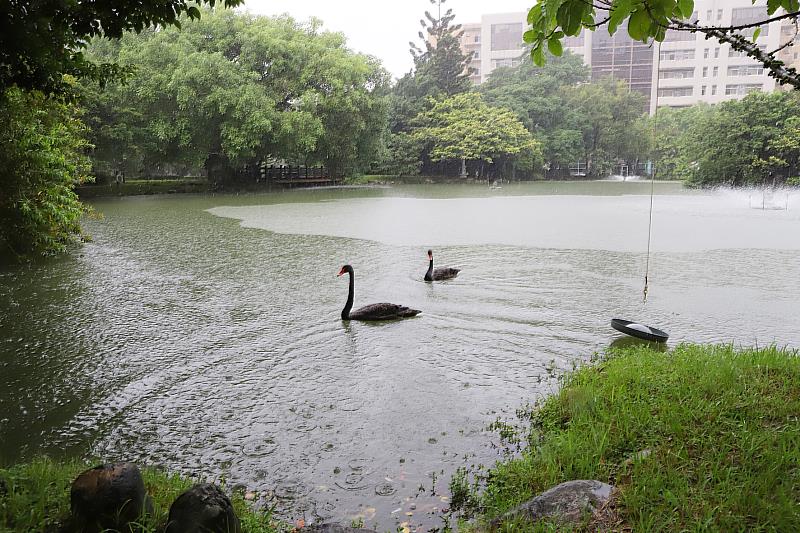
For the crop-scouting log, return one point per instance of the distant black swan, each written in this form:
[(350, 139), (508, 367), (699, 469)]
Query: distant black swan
[(382, 311), (440, 273)]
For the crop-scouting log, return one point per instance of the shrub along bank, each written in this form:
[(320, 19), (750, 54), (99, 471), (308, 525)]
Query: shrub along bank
[(699, 438)]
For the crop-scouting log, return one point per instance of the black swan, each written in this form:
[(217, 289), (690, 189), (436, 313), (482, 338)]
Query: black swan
[(440, 273), (381, 311)]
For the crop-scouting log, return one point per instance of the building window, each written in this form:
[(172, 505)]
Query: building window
[(742, 88), (708, 15), (749, 15), (675, 92), (476, 54), (477, 38), (705, 72), (719, 14), (703, 90), (677, 55), (716, 72), (746, 70), (676, 74), (735, 53), (705, 53), (507, 36), (713, 89), (716, 52), (507, 62)]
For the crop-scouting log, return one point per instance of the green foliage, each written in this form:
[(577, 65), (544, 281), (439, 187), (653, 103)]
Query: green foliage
[(750, 141), (42, 145), (231, 89), (612, 124), (719, 424), (40, 42), (404, 158), (35, 497), (552, 20), (441, 69), (464, 127), (538, 96)]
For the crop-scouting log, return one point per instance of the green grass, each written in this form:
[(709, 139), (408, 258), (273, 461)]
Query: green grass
[(141, 187), (368, 179), (721, 426), (35, 497)]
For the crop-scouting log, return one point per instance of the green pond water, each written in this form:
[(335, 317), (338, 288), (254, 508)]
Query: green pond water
[(202, 333)]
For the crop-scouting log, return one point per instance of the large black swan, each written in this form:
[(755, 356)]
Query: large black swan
[(440, 273), (382, 311)]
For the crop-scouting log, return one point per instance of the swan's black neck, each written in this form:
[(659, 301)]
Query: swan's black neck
[(349, 305), (429, 273)]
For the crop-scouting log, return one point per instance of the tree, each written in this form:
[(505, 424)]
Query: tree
[(751, 141), (552, 20), (464, 128), (743, 142), (40, 42), (232, 89), (42, 145), (676, 136), (538, 96), (611, 124), (42, 140), (441, 69)]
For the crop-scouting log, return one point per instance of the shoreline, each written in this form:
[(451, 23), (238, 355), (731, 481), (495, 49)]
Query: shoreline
[(698, 435)]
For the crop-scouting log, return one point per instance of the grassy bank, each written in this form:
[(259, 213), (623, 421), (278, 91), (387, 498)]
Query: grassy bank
[(141, 187), (718, 427), (35, 497)]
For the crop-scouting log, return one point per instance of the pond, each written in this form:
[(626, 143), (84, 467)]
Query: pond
[(202, 333)]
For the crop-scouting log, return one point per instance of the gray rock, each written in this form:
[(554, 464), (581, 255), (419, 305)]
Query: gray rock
[(109, 496), (568, 502), (335, 528), (203, 507)]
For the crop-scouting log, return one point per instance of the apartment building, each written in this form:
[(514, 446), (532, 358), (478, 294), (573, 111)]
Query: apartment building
[(683, 70)]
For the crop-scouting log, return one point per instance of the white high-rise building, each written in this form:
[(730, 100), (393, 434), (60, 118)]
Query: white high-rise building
[(688, 67)]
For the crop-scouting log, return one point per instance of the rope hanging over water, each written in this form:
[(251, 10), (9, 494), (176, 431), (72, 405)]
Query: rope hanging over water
[(652, 182)]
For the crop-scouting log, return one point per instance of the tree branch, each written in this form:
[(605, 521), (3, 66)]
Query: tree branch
[(777, 69)]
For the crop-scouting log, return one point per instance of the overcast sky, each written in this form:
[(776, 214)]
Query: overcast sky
[(381, 28)]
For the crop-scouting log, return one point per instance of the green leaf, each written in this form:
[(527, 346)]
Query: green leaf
[(554, 45), (639, 25), (756, 34), (686, 8), (619, 13), (538, 55)]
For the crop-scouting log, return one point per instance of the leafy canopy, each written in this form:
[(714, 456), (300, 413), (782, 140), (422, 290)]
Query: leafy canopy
[(40, 42), (465, 127)]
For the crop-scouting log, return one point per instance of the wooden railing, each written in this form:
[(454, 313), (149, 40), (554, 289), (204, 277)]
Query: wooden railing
[(294, 175)]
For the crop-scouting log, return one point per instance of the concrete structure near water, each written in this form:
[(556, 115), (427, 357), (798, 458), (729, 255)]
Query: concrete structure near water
[(689, 68)]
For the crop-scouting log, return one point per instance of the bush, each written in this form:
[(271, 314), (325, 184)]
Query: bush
[(42, 158)]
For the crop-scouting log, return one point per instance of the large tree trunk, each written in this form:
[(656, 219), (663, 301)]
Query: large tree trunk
[(219, 170)]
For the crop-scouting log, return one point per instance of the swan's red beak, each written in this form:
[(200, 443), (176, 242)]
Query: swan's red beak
[(341, 272)]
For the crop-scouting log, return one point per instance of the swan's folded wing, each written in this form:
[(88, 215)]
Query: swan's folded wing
[(445, 273), (382, 311)]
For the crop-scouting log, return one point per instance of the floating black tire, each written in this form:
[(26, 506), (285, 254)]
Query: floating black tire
[(640, 331)]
